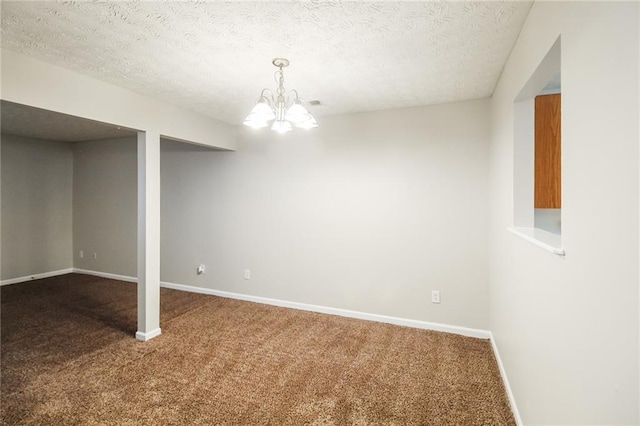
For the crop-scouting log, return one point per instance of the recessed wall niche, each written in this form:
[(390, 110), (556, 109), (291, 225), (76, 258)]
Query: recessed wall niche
[(537, 152)]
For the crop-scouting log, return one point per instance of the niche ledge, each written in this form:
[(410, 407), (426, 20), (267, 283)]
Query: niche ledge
[(541, 238)]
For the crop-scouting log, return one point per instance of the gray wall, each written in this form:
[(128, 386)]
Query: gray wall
[(567, 327), (36, 206), (105, 205), (368, 212)]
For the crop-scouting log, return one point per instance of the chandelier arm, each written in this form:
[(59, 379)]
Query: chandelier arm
[(270, 98), (289, 98), (284, 108)]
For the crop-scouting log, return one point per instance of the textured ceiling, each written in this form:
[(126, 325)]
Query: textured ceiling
[(215, 57), (38, 123)]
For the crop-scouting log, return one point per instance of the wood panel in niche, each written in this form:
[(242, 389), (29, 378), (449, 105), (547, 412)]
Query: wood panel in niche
[(547, 194)]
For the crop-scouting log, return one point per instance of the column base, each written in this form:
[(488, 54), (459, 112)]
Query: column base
[(149, 335)]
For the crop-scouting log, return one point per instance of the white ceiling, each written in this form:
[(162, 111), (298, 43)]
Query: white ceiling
[(215, 57)]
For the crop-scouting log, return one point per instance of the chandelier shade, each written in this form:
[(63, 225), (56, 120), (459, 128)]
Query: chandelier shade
[(286, 112), (260, 114)]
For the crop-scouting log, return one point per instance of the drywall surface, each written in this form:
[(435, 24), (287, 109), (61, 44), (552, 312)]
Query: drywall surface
[(39, 84), (105, 205), (36, 206), (369, 212), (567, 327)]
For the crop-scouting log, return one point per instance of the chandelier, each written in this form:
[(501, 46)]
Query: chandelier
[(286, 112)]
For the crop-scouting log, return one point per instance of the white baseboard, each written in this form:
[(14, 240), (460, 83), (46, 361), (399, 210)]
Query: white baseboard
[(471, 332), (106, 275), (503, 373), (36, 276), (464, 331), (149, 335)]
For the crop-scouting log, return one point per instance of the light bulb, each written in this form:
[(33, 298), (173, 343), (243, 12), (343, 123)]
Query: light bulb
[(297, 113), (281, 126), (262, 111), (254, 123), (308, 124)]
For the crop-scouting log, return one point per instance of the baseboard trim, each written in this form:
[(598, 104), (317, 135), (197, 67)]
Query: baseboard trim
[(149, 335), (505, 380), (106, 275), (464, 331), (425, 325), (36, 276), (470, 332)]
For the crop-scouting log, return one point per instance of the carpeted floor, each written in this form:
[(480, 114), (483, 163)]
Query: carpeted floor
[(69, 357)]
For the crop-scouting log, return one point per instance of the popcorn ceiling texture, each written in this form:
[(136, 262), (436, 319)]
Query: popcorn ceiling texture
[(215, 57)]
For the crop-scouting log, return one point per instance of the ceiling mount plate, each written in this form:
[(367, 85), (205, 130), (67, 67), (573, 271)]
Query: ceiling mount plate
[(280, 62)]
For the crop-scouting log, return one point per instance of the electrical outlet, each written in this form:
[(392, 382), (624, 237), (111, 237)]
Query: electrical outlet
[(81, 254), (435, 296), (95, 255), (247, 274), (200, 270)]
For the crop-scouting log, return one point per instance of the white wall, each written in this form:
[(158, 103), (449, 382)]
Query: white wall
[(36, 206), (32, 82), (369, 212), (105, 205), (567, 328)]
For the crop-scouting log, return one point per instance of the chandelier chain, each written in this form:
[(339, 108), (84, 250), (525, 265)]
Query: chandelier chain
[(280, 81), (286, 112)]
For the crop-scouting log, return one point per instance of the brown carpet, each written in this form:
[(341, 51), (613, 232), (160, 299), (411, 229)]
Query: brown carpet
[(69, 357)]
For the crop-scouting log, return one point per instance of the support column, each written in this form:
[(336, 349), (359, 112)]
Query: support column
[(148, 235)]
